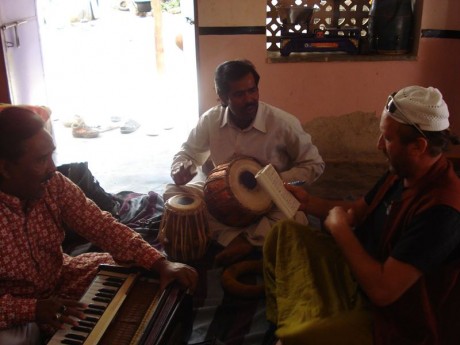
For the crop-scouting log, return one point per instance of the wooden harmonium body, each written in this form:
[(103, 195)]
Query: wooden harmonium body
[(126, 306)]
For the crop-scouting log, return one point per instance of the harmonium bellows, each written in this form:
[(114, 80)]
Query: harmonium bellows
[(126, 307)]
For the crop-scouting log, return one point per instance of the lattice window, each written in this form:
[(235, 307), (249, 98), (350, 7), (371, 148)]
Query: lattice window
[(328, 14)]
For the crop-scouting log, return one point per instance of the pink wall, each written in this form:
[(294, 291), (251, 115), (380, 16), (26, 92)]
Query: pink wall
[(313, 89)]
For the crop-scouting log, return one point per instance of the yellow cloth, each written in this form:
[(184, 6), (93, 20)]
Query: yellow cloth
[(311, 294)]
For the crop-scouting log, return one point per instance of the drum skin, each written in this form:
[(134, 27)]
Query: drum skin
[(184, 229), (224, 193)]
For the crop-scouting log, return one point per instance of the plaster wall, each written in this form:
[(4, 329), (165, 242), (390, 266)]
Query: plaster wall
[(441, 14), (231, 12), (322, 89)]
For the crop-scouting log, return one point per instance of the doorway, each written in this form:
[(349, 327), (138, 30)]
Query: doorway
[(100, 71)]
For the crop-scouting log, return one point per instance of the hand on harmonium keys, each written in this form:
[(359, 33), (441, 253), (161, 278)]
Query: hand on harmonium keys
[(183, 173), (56, 312), (122, 306), (76, 321)]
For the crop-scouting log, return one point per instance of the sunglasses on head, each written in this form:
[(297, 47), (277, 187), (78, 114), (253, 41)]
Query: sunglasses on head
[(391, 107)]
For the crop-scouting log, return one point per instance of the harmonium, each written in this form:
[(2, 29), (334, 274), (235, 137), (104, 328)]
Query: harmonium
[(126, 306)]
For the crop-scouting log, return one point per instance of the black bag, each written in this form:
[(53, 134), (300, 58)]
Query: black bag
[(141, 212), (79, 174)]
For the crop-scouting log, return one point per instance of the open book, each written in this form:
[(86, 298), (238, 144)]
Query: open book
[(270, 181)]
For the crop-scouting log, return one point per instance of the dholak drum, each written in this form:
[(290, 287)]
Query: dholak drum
[(184, 230), (232, 194)]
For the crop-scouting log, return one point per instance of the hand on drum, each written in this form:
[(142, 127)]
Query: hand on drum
[(176, 271), (183, 173)]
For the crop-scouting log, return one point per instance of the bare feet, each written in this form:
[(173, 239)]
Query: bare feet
[(237, 249)]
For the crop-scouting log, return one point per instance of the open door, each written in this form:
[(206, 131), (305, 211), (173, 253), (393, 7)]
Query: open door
[(189, 36), (22, 52)]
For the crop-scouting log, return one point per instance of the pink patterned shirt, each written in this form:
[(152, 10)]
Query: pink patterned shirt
[(31, 257)]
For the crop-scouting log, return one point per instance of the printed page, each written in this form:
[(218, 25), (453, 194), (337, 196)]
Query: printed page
[(270, 180)]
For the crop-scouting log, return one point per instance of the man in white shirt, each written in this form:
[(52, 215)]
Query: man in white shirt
[(243, 126)]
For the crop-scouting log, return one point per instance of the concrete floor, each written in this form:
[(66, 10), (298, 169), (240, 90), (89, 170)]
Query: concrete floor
[(106, 68), (123, 162)]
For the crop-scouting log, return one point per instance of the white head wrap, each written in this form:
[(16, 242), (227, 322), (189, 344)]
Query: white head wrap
[(424, 107)]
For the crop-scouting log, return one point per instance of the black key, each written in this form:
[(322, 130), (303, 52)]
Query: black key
[(75, 336), (110, 291), (86, 323), (105, 295), (91, 319), (114, 284), (95, 306), (71, 342), (115, 279), (81, 329), (93, 311), (101, 299)]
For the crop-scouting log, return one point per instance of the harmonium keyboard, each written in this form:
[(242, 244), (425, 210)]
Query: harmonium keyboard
[(125, 306)]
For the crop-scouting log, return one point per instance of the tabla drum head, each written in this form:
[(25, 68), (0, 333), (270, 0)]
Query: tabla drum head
[(183, 203), (244, 185)]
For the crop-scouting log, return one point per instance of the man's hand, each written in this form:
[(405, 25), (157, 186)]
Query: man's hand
[(56, 312), (339, 220), (300, 194), (237, 249), (176, 271), (183, 173)]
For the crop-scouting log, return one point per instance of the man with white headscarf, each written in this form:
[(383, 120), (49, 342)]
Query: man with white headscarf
[(384, 270)]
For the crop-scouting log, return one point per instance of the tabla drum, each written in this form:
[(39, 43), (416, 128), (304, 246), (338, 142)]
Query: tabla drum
[(232, 194), (184, 229)]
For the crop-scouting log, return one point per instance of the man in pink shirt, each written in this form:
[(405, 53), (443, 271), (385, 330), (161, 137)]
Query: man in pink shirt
[(39, 284)]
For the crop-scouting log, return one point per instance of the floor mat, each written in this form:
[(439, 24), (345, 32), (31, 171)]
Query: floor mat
[(221, 318)]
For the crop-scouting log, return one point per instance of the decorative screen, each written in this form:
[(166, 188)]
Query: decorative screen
[(327, 14)]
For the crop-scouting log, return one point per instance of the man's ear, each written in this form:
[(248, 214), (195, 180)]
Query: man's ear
[(420, 145), (223, 99)]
